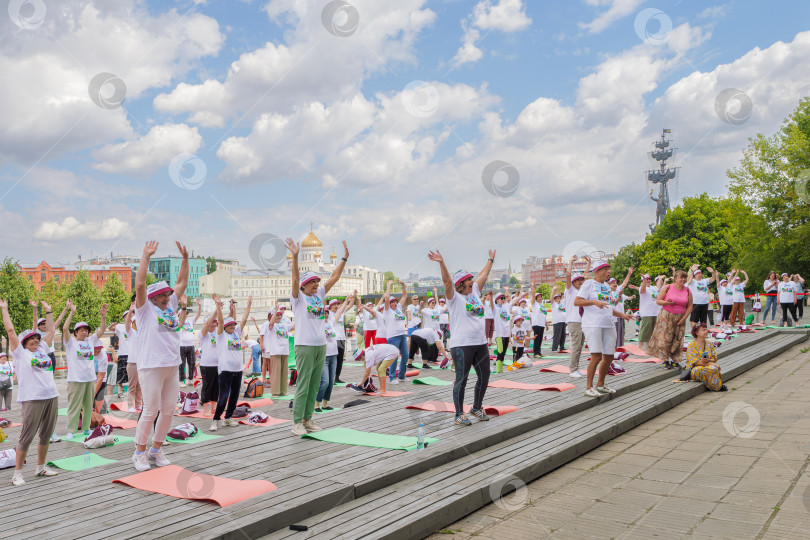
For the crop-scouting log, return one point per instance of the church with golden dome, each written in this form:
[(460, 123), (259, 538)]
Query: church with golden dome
[(310, 259)]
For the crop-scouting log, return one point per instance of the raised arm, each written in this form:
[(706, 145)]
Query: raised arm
[(569, 272), (402, 298), (220, 319), (245, 315), (101, 327), (143, 269), (13, 341), (588, 267), (435, 256), (34, 305), (387, 294), (481, 280), (331, 280), (182, 278), (128, 319), (345, 305), (294, 248), (66, 326), (627, 277), (61, 316), (746, 276), (713, 273)]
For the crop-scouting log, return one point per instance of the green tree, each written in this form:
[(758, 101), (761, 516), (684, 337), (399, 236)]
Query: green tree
[(544, 289), (389, 275), (86, 297), (17, 291), (115, 295), (513, 280), (210, 265)]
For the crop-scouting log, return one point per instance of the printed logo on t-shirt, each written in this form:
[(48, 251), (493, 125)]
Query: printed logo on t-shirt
[(435, 316), (329, 330), (701, 287), (503, 314), (473, 306), (167, 319), (315, 306), (213, 339), (561, 308), (398, 315), (188, 328), (233, 343), (281, 331), (728, 291), (520, 336), (84, 351), (603, 293), (41, 361)]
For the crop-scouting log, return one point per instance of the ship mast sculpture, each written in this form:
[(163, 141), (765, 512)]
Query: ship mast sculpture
[(662, 176)]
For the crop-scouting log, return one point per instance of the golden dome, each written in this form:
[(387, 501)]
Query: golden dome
[(333, 255), (317, 254), (311, 241), (289, 256)]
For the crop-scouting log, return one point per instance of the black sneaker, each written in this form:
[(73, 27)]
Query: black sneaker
[(426, 366), (410, 365), (480, 414), (318, 409), (328, 408), (338, 381), (724, 388)]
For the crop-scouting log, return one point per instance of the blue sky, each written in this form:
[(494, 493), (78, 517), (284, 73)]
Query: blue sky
[(381, 136)]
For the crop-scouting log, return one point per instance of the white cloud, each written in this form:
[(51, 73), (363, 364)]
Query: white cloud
[(618, 10), (506, 16), (71, 227), (143, 156)]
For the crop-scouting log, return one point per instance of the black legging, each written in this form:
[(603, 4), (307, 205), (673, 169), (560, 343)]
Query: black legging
[(558, 340), (788, 308), (230, 383), (464, 358), (428, 352), (187, 358), (341, 351), (504, 345), (538, 338), (800, 307)]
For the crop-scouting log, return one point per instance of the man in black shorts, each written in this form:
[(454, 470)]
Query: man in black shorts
[(699, 286)]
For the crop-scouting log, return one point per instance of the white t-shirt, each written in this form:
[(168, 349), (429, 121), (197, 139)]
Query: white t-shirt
[(443, 314), (380, 353), (187, 332), (488, 311), (80, 360), (310, 317), (519, 334), (34, 374), (428, 334), (571, 311), (250, 343), (739, 292), (331, 334), (276, 339), (797, 285), (503, 316), (538, 314), (725, 295), (557, 312), (618, 298), (786, 291), (770, 286), (101, 360), (229, 350), (413, 313), (209, 355), (132, 345), (592, 316), (431, 317), (700, 291), (647, 307), (340, 328), (369, 323), (158, 335), (6, 371), (467, 314), (394, 322), (123, 343), (382, 327)]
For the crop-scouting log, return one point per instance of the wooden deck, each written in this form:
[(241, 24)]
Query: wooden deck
[(346, 487)]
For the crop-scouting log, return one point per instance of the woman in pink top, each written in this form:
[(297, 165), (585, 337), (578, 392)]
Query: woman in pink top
[(667, 338)]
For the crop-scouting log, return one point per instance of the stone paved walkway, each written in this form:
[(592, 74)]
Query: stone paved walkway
[(721, 465)]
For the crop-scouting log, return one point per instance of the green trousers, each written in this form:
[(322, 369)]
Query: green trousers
[(309, 361), (80, 403)]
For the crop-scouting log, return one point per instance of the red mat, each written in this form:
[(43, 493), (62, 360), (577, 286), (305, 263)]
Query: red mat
[(121, 406), (514, 385), (198, 414), (387, 394), (120, 423), (260, 402), (541, 362), (632, 348), (647, 360), (409, 373), (13, 424), (270, 422), (443, 406), (175, 481), (556, 368)]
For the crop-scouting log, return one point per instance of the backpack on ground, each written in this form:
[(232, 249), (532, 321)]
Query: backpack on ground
[(293, 377), (191, 403), (183, 431), (96, 420), (258, 417), (5, 422), (8, 458), (254, 389), (181, 397), (241, 411), (100, 436), (368, 386)]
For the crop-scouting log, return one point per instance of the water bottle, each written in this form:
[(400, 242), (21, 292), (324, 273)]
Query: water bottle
[(420, 437), (87, 460)]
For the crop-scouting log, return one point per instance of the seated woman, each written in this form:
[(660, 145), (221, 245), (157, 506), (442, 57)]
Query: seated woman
[(701, 357)]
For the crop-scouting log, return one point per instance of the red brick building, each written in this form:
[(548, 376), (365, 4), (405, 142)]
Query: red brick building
[(99, 273), (552, 270)]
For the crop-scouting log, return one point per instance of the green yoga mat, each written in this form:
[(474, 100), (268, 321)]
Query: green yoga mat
[(797, 326), (281, 398), (61, 412), (364, 438), (333, 410), (353, 364), (76, 463), (431, 381), (199, 437), (119, 439)]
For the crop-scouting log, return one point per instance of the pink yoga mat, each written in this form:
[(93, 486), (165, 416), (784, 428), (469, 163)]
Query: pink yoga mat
[(443, 406), (198, 414), (176, 481), (647, 360), (13, 424), (260, 402), (556, 368), (387, 394), (541, 362), (120, 423), (120, 406), (270, 422), (504, 383), (632, 348)]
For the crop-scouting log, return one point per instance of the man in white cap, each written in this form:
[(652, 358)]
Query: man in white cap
[(467, 334), (307, 298), (573, 318), (648, 309), (699, 287)]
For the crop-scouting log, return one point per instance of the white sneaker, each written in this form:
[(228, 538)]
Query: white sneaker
[(213, 426), (17, 479), (395, 381), (132, 410), (605, 389), (141, 462), (299, 429), (591, 392), (182, 384), (159, 458), (46, 471), (575, 374), (55, 438), (309, 425), (231, 422)]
